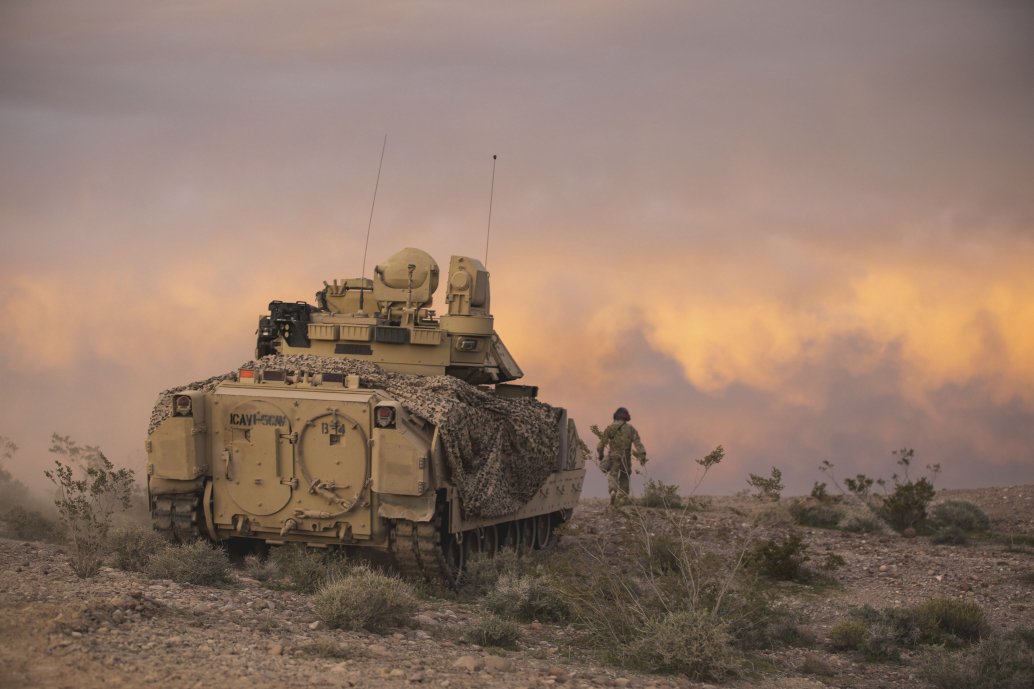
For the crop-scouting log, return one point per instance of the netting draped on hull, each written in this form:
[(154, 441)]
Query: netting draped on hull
[(499, 451)]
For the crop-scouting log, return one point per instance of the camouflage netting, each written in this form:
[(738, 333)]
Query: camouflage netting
[(499, 450)]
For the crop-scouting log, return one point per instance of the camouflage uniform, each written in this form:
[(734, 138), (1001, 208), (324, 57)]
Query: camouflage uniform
[(620, 436)]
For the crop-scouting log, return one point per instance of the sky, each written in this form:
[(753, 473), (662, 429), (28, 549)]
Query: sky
[(803, 230)]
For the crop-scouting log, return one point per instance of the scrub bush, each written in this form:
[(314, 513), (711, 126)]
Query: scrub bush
[(132, 547), (767, 488), (783, 559), (848, 635), (492, 630), (307, 569), (817, 515), (998, 662), (689, 643), (29, 525), (197, 562), (527, 597), (960, 514), (663, 495), (365, 599), (90, 491)]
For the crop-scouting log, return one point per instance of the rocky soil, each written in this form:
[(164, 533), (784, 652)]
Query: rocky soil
[(123, 629)]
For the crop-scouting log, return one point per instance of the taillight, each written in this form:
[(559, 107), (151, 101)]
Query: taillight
[(182, 405), (384, 417)]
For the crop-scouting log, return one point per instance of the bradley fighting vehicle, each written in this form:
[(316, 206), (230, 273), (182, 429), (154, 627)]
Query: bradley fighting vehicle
[(368, 421)]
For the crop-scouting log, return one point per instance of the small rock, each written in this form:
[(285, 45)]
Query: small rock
[(415, 678), (377, 649), (498, 664), (622, 682), (468, 663), (883, 568), (314, 625), (909, 533), (396, 672), (276, 649)]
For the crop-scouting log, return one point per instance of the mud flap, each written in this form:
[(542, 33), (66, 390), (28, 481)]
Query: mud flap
[(419, 508)]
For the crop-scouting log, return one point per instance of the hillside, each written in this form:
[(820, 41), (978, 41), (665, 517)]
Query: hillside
[(123, 629)]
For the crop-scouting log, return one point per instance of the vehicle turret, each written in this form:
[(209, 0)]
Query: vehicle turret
[(388, 320)]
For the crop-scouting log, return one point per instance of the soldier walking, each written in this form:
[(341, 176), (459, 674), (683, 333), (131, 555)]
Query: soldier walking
[(620, 436)]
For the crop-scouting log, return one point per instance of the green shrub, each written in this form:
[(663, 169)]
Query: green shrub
[(781, 559), (30, 525), (527, 597), (190, 563), (492, 630), (905, 507), (132, 547), (937, 621), (883, 643), (688, 643), (483, 571), (848, 635), (767, 488), (307, 568), (949, 535), (860, 485), (264, 569), (365, 599), (962, 515), (658, 494), (765, 627), (820, 516), (821, 495), (89, 492), (832, 562), (951, 622), (997, 662)]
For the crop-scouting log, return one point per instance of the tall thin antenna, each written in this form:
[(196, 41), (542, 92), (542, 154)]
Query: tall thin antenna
[(373, 203), (491, 196)]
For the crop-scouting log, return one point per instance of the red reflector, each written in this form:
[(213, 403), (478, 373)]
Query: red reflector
[(247, 373)]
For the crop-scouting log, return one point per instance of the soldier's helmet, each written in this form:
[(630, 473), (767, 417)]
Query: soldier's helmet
[(622, 414)]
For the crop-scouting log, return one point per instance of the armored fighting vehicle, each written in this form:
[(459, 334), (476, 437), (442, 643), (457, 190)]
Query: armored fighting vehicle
[(369, 421)]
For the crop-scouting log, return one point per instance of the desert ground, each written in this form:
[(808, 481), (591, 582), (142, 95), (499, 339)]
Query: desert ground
[(124, 629)]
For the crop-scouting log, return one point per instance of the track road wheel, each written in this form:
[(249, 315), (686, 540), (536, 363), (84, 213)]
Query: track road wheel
[(455, 552), (527, 535), (509, 535), (543, 531), (490, 540), (473, 543)]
